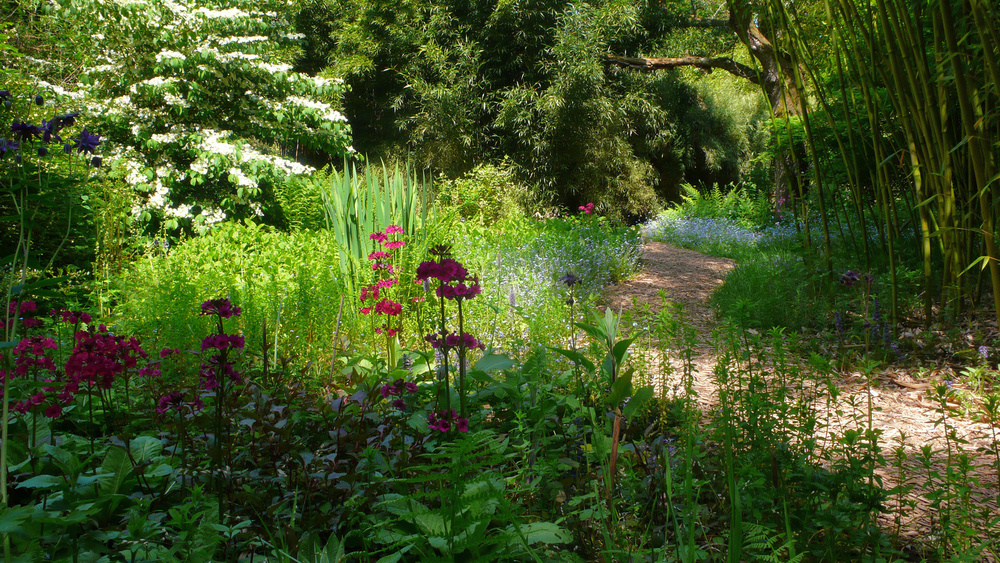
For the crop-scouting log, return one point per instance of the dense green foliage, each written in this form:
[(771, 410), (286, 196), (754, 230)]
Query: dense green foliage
[(227, 337), (458, 82)]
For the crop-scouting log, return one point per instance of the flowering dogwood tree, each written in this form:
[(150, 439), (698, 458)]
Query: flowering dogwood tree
[(204, 114)]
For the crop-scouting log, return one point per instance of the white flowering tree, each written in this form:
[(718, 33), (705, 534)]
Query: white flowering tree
[(204, 115)]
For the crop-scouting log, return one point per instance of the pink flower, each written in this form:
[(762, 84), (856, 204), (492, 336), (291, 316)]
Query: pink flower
[(53, 411), (394, 245), (221, 307), (394, 230)]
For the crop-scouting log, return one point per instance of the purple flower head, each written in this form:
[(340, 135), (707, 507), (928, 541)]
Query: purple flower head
[(569, 279), (443, 421), (849, 278), (50, 130), (221, 307), (6, 96), (24, 131), (171, 401), (400, 404), (66, 119), (984, 352), (87, 142), (8, 146)]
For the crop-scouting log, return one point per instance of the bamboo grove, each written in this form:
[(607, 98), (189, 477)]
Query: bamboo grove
[(906, 92)]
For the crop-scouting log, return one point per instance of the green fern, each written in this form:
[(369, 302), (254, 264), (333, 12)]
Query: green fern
[(301, 201), (767, 546)]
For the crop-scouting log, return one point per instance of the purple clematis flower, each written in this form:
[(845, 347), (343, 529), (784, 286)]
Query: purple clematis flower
[(24, 131), (87, 142), (8, 146), (50, 130)]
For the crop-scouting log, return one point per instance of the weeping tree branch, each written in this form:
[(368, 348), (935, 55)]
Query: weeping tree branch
[(706, 64)]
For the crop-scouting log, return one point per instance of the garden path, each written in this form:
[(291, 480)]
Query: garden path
[(906, 412)]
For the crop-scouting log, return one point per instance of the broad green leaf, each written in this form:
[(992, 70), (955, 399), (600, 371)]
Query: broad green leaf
[(11, 519), (145, 448), (639, 397), (495, 361), (577, 358), (595, 332), (544, 532), (621, 349), (621, 388), (41, 482), (116, 464)]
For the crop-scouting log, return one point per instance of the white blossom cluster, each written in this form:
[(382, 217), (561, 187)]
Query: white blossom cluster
[(161, 85)]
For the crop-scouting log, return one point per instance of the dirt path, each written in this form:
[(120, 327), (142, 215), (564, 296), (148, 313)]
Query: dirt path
[(906, 415)]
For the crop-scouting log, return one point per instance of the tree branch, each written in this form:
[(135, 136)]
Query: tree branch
[(704, 63)]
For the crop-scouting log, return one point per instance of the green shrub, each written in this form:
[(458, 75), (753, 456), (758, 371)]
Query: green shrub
[(486, 195), (771, 290)]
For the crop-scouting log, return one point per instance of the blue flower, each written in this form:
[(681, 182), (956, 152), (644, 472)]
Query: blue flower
[(87, 142), (24, 131), (50, 130), (8, 146)]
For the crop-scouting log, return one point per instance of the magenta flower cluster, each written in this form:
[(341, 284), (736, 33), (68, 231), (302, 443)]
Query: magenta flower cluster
[(98, 357), (175, 401), (455, 282), (587, 209), (398, 389), (383, 305), (27, 310), (444, 420), (450, 341), (220, 307), (218, 364), (71, 317)]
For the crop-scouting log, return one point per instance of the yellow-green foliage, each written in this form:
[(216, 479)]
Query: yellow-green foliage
[(486, 195)]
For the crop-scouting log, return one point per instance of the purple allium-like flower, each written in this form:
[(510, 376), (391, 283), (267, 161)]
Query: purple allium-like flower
[(569, 279), (87, 142), (984, 352), (849, 278)]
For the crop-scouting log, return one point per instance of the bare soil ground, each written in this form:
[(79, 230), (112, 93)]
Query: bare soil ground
[(906, 410)]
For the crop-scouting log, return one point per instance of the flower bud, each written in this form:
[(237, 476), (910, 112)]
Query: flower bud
[(42, 151), (39, 100), (95, 162)]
